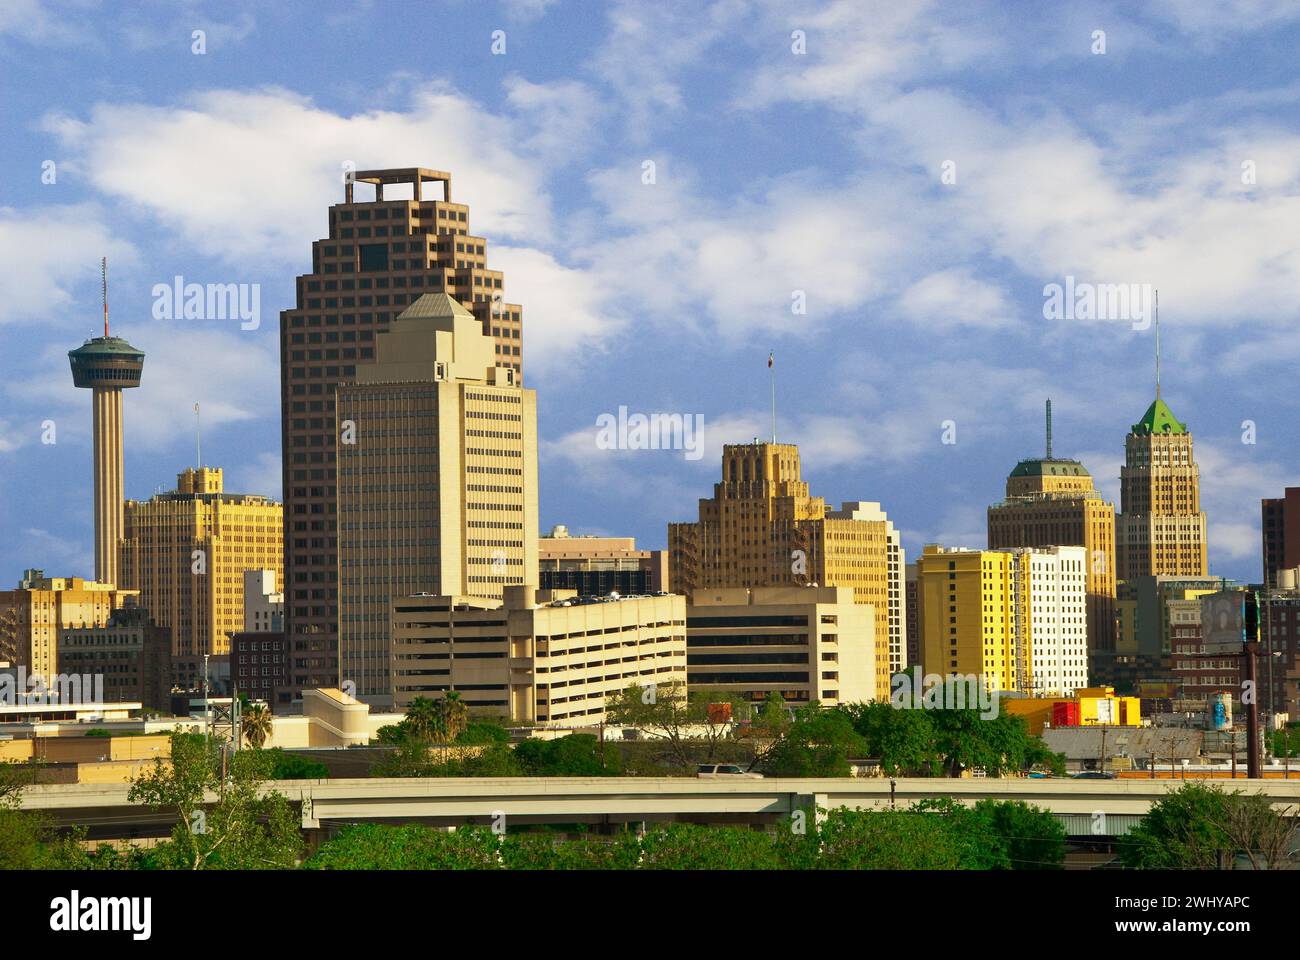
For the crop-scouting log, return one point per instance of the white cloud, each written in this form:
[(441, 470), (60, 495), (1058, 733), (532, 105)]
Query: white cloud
[(48, 253), (261, 475), (955, 298), (247, 176)]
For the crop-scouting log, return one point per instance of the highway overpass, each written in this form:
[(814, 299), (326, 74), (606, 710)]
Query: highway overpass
[(1085, 807)]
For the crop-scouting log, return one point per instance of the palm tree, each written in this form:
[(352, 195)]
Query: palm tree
[(423, 719), (255, 724), (455, 715)]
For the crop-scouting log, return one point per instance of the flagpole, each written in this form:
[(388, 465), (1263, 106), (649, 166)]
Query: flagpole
[(771, 369)]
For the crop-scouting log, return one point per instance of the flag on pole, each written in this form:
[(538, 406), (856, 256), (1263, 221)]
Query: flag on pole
[(769, 360)]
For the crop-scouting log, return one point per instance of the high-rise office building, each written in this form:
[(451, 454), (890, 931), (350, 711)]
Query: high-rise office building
[(107, 366), (187, 551), (1017, 618), (1160, 530), (1280, 531), (379, 255), (33, 615), (437, 480), (762, 528), (1052, 502)]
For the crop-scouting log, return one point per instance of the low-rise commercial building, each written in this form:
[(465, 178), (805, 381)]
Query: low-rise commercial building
[(804, 643), (536, 656)]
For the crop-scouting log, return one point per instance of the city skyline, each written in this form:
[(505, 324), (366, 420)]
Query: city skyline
[(926, 317)]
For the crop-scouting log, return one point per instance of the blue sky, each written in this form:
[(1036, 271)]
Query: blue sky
[(1171, 159)]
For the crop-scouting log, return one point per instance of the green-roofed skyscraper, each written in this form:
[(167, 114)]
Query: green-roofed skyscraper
[(1160, 530)]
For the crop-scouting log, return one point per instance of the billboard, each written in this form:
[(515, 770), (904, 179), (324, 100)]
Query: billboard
[(1223, 620)]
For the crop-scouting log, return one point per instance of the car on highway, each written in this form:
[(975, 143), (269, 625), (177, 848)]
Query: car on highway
[(729, 770)]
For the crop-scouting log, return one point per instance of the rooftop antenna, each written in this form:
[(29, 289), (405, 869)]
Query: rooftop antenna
[(103, 283), (1049, 428), (771, 369), (198, 439), (1157, 319)]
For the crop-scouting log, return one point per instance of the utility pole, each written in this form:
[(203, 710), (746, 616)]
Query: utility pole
[(207, 716), (1249, 649)]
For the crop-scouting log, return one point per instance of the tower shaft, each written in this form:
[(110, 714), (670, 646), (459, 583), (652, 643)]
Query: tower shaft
[(106, 426)]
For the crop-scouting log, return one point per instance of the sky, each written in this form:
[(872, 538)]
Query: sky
[(879, 194)]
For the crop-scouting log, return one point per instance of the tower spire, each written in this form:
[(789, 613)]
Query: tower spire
[(1049, 428), (1157, 321), (103, 283)]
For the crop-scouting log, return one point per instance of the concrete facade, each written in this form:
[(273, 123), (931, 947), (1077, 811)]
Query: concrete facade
[(437, 480), (534, 657), (805, 643)]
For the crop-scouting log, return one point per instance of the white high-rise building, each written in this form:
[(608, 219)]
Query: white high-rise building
[(1058, 619)]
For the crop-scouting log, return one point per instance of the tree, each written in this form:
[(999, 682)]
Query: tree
[(1026, 837), (576, 755), (889, 840), (1265, 837), (290, 766), (238, 828), (903, 740), (255, 724), (682, 723), (455, 715), (818, 743), (410, 847), (687, 846), (1183, 830), (423, 720)]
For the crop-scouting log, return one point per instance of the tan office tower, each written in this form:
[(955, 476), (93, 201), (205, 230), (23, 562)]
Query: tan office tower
[(107, 366), (379, 256), (1160, 530), (1052, 502), (186, 552), (33, 615), (763, 528), (437, 480)]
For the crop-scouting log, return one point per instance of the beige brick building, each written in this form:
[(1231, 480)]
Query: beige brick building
[(536, 655), (437, 480), (762, 527), (805, 643), (186, 552), (33, 614)]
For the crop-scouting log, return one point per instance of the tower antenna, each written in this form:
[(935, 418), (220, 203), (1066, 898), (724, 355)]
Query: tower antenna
[(103, 284), (1049, 428), (1157, 319), (198, 439)]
